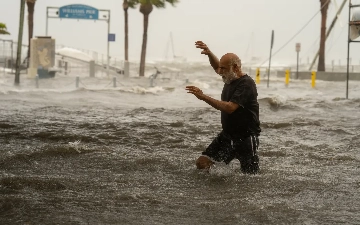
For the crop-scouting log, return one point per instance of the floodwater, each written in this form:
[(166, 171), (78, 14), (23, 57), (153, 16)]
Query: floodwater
[(100, 154)]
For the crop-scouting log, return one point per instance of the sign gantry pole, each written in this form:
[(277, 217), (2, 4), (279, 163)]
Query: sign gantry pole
[(271, 47), (82, 12), (298, 49), (108, 45)]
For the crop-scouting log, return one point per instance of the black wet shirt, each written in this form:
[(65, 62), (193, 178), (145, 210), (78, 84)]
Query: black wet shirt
[(244, 121)]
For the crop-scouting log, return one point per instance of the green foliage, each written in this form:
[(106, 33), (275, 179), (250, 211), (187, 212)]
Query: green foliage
[(132, 3), (158, 3), (3, 29), (2, 26)]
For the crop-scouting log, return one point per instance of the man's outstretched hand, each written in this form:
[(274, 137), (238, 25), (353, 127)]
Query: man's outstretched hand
[(203, 46), (195, 91)]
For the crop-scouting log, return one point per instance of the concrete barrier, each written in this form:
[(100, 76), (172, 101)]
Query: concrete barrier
[(42, 54), (327, 76), (92, 68), (126, 68)]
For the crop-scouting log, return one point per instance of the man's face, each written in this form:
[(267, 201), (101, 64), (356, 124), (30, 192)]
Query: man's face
[(227, 73)]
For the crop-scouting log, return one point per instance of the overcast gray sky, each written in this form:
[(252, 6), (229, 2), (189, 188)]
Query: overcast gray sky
[(239, 26)]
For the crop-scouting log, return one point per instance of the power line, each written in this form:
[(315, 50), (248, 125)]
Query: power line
[(336, 40), (292, 38), (312, 47)]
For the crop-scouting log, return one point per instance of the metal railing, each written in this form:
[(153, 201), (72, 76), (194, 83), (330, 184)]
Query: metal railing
[(8, 52)]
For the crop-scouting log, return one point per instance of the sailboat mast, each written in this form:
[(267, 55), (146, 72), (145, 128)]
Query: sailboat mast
[(167, 49), (248, 47), (172, 44)]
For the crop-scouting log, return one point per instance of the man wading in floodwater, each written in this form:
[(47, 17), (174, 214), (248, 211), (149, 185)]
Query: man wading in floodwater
[(239, 115)]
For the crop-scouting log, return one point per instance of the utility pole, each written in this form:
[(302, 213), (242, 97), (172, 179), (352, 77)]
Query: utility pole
[(328, 32), (271, 47), (298, 48)]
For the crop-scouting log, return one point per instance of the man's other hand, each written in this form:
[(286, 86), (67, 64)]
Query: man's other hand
[(203, 46), (195, 91)]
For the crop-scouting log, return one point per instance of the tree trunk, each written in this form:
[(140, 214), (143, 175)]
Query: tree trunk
[(143, 49), (126, 36), (145, 9), (18, 55), (31, 7), (126, 7), (324, 8)]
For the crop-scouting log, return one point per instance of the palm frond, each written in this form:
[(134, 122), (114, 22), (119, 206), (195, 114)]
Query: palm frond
[(145, 1), (3, 29), (172, 2), (159, 3), (4, 32), (3, 26), (133, 3)]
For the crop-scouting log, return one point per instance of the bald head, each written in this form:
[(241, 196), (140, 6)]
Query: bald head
[(230, 62), (230, 59)]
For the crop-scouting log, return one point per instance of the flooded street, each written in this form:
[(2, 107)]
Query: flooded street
[(126, 155)]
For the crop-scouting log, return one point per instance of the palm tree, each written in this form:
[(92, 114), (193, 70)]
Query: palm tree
[(146, 7), (3, 29), (31, 6), (324, 8), (126, 5), (18, 55)]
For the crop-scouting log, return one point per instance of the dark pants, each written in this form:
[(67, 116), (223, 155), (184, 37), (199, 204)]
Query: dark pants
[(225, 149)]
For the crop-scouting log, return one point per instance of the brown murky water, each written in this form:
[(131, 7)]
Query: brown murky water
[(126, 156)]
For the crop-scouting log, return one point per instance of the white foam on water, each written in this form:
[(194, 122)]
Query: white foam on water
[(221, 169), (200, 84), (142, 90), (6, 70), (77, 145), (278, 99), (199, 74)]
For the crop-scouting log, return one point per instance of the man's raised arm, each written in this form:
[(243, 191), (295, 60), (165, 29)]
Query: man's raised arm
[(214, 61)]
